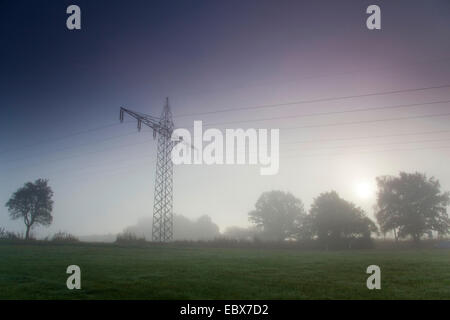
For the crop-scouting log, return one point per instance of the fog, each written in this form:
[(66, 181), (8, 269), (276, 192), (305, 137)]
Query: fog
[(201, 228), (61, 97), (184, 228)]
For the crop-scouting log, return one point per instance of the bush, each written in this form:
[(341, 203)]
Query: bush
[(64, 237), (8, 235), (129, 238)]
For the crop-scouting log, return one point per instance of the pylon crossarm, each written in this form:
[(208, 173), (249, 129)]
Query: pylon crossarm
[(137, 115), (150, 121)]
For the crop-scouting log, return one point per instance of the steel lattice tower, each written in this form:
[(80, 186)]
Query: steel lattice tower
[(162, 229)]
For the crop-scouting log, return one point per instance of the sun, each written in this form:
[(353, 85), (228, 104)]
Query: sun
[(364, 190)]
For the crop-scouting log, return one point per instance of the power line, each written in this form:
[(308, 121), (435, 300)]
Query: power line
[(408, 64), (288, 155), (297, 127), (62, 137), (237, 109), (332, 112), (282, 143), (71, 147), (311, 101), (369, 121), (80, 155), (96, 172), (89, 176), (263, 119), (363, 152), (127, 166), (368, 137), (290, 128), (376, 144), (368, 145)]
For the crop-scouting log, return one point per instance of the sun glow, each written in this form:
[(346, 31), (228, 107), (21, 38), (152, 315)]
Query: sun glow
[(364, 190)]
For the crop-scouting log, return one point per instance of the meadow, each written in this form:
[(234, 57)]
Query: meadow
[(35, 271)]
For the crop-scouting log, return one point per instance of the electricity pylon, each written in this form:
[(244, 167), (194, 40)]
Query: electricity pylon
[(162, 229)]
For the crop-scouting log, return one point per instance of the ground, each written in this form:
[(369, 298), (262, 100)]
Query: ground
[(32, 271)]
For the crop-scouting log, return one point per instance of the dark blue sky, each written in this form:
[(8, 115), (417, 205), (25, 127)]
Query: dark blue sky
[(56, 84), (130, 50)]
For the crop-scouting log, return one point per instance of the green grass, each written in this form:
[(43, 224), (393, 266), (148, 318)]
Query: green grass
[(31, 271)]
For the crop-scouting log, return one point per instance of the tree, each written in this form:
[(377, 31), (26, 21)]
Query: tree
[(278, 214), (332, 218), (33, 203), (411, 204)]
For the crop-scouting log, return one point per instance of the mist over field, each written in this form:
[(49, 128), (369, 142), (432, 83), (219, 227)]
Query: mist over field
[(201, 228), (62, 91), (210, 152)]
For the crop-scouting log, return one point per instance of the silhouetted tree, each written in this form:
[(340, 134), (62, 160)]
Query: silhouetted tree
[(33, 203), (332, 218), (278, 214), (412, 205)]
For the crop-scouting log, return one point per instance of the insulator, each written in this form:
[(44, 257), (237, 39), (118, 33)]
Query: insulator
[(121, 115), (139, 125)]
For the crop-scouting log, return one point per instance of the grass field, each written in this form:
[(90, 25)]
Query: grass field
[(30, 271)]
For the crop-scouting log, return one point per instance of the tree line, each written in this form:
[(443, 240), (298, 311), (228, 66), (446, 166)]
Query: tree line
[(408, 205)]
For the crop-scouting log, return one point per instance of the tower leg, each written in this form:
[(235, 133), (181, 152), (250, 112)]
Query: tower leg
[(162, 229)]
